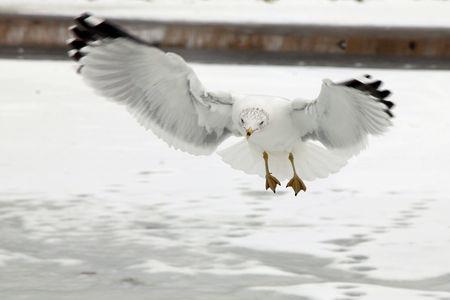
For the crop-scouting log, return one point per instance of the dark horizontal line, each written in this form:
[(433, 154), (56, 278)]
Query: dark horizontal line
[(257, 58)]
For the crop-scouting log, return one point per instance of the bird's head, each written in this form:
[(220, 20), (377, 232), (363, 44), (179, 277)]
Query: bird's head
[(252, 120)]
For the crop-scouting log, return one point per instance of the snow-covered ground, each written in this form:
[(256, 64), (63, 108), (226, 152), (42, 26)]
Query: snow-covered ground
[(424, 13), (94, 207)]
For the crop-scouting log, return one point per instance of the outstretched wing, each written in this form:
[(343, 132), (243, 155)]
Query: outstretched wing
[(158, 88), (344, 113)]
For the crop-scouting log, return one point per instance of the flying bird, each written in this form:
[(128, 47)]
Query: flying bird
[(286, 138)]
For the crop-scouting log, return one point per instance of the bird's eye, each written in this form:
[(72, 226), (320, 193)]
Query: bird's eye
[(242, 120), (262, 122)]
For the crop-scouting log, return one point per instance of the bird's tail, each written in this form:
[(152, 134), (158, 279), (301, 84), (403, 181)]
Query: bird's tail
[(311, 160)]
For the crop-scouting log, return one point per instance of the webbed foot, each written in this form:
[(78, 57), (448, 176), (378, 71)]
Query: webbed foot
[(297, 184), (272, 182)]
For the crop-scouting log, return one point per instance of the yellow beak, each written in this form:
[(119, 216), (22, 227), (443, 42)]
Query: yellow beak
[(249, 132)]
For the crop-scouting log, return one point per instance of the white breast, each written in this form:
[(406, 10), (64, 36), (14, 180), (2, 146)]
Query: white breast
[(279, 135)]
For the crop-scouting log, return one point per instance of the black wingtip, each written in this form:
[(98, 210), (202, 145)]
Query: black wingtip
[(384, 94), (91, 28), (390, 114), (76, 44), (355, 84), (83, 16), (371, 88), (82, 34), (75, 55), (375, 85), (389, 104)]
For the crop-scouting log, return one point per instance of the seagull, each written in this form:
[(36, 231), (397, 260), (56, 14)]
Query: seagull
[(295, 138)]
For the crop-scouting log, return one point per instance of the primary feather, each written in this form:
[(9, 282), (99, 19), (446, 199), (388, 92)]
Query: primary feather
[(158, 88), (344, 114)]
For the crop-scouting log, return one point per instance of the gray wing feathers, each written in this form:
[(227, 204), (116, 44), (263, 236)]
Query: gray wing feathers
[(341, 117), (161, 91)]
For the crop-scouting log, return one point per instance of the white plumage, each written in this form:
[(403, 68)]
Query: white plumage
[(165, 96), (161, 91)]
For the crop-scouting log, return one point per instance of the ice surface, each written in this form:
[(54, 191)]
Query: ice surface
[(350, 12), (342, 290), (94, 207)]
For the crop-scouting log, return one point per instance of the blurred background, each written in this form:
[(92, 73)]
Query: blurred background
[(92, 206), (378, 33)]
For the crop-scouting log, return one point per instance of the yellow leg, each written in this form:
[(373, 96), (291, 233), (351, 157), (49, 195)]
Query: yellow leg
[(271, 181), (296, 183)]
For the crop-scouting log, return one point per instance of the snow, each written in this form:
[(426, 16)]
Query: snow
[(329, 291), (248, 267), (104, 210), (347, 12)]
